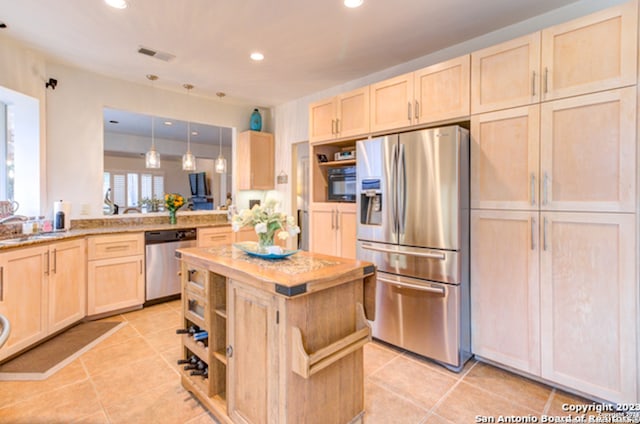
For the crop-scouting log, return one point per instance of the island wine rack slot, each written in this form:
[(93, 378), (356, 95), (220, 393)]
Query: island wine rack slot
[(204, 306)]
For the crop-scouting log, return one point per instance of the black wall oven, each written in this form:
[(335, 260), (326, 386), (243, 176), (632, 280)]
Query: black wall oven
[(342, 184)]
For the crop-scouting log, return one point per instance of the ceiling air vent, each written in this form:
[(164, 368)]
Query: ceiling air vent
[(156, 54)]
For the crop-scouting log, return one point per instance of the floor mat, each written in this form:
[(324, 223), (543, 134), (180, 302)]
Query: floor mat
[(46, 359)]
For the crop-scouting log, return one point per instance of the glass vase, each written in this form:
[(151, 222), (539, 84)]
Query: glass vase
[(265, 240), (172, 217)]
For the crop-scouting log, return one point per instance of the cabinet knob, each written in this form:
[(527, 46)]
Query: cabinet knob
[(229, 351)]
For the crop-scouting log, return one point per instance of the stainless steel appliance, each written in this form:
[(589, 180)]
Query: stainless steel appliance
[(342, 184), (413, 223), (162, 267)]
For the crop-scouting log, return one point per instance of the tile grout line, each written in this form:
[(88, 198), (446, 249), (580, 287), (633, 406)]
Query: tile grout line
[(451, 389), (511, 401), (547, 405), (95, 390), (399, 395)]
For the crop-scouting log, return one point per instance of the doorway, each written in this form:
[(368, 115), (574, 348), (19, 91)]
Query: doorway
[(300, 193)]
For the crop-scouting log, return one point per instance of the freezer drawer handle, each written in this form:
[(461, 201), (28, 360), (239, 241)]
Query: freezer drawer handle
[(437, 290), (440, 256)]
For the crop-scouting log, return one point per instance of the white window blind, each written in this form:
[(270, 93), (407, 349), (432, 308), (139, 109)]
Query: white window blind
[(129, 188), (146, 186), (119, 189), (158, 187)]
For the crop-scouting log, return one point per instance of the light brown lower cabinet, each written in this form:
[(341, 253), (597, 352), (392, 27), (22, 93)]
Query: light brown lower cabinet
[(213, 236), (67, 283), (42, 291), (115, 272), (554, 295), (333, 229)]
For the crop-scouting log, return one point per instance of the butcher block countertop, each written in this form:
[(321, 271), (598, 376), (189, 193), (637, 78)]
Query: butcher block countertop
[(303, 272)]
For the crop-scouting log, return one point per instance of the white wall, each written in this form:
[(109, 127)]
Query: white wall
[(292, 118), (75, 129), (23, 71)]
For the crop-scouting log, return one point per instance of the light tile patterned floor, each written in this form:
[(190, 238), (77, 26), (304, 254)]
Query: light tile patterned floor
[(131, 377)]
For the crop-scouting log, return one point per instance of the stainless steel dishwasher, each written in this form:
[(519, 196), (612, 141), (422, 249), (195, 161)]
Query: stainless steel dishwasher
[(162, 273)]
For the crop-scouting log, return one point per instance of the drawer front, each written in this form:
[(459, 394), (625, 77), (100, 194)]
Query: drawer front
[(214, 236), (115, 246)]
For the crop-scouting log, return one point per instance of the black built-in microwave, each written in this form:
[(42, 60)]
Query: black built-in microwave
[(342, 184)]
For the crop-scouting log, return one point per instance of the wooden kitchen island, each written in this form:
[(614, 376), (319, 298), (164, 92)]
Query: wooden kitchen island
[(285, 336)]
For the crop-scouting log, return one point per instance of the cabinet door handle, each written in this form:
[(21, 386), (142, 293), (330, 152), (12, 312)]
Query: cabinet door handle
[(337, 220), (229, 351), (1, 284), (533, 189), (533, 227), (417, 111), (533, 83), (546, 82), (333, 214), (46, 267), (544, 234), (545, 193), (409, 111), (55, 260), (337, 126), (333, 125)]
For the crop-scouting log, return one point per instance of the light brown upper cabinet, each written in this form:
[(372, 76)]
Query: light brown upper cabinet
[(505, 159), (506, 75), (256, 161), (345, 115), (441, 91), (588, 152), (435, 93), (593, 53)]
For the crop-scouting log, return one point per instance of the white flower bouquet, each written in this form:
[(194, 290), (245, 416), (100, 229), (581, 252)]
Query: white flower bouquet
[(267, 222)]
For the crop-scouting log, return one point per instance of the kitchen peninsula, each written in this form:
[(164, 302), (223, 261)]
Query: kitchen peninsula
[(285, 336)]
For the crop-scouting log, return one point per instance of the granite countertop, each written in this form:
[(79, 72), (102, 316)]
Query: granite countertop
[(302, 272), (109, 225)]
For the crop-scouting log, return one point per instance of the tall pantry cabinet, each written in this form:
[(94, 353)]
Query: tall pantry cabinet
[(554, 204)]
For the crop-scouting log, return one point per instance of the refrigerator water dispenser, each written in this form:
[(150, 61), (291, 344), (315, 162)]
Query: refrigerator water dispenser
[(371, 202)]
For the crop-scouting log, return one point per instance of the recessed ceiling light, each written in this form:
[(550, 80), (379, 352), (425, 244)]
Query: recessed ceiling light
[(257, 56), (194, 132), (353, 3), (168, 123), (117, 4)]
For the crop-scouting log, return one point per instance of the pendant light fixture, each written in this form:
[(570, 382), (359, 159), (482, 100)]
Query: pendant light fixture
[(188, 159), (221, 162), (152, 158)]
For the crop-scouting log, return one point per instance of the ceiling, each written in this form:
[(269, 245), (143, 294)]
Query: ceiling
[(309, 46), (124, 122)]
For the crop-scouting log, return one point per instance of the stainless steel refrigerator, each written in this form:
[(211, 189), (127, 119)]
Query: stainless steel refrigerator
[(413, 223)]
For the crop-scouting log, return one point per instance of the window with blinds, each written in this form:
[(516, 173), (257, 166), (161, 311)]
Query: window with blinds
[(129, 188)]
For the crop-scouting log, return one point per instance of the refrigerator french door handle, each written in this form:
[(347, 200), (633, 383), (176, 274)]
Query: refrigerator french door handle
[(402, 176), (438, 290), (394, 188), (440, 256)]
